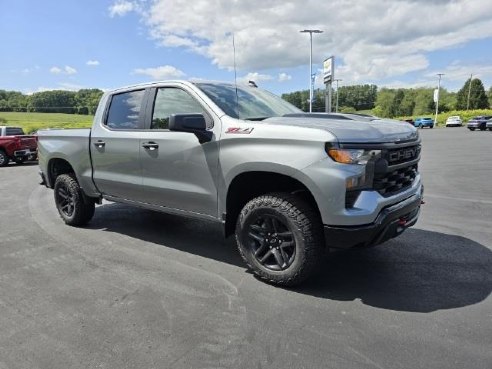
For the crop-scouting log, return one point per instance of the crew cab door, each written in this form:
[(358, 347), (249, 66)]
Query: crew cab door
[(115, 145), (178, 171)]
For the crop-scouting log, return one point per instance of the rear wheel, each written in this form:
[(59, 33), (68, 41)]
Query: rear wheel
[(74, 207), (280, 237), (490, 128), (4, 159)]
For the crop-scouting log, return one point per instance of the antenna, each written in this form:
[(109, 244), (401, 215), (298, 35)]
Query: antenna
[(235, 74)]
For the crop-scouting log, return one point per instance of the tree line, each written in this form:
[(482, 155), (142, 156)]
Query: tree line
[(384, 102), (83, 101), (389, 103)]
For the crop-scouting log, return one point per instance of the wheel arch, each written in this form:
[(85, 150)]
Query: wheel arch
[(247, 185), (56, 167)]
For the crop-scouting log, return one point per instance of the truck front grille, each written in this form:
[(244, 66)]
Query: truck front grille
[(389, 183)]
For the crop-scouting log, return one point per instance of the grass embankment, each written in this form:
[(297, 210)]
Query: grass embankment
[(465, 115), (31, 122)]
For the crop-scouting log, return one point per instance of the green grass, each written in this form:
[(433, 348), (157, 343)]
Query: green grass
[(31, 122)]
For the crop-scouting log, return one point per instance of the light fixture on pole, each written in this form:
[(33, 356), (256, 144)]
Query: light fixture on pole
[(311, 31), (437, 95), (337, 80)]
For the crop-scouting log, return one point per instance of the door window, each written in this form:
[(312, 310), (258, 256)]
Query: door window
[(124, 111), (172, 101)]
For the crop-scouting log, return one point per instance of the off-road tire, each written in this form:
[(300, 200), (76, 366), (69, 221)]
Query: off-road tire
[(4, 159), (301, 221), (74, 207)]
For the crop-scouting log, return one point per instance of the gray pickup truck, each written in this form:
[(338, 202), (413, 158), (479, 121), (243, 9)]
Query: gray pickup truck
[(286, 183)]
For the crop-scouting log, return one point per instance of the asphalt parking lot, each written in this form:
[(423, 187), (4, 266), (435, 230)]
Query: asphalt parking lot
[(139, 289)]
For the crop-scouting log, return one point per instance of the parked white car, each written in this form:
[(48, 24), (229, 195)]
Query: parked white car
[(454, 121)]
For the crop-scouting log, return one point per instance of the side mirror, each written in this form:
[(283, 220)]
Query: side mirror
[(192, 123)]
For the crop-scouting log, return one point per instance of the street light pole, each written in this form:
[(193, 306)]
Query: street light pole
[(336, 80), (311, 31), (469, 92), (437, 100)]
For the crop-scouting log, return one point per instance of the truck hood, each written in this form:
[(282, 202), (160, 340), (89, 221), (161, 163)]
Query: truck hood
[(362, 130)]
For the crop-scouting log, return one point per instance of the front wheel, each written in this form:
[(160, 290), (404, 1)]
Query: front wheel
[(471, 129), (280, 237), (74, 208)]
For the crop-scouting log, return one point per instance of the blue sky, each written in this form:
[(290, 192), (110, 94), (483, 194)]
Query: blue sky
[(104, 44)]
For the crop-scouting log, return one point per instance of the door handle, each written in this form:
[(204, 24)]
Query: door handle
[(99, 144), (150, 146)]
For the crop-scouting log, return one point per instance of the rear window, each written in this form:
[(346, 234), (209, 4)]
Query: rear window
[(14, 131)]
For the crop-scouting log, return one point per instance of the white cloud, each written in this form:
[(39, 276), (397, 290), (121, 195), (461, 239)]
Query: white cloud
[(370, 39), (160, 73), (93, 63), (282, 77), (121, 8), (255, 77), (67, 70), (70, 70), (55, 70)]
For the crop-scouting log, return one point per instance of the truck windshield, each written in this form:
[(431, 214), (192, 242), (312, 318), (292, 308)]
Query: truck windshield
[(251, 103)]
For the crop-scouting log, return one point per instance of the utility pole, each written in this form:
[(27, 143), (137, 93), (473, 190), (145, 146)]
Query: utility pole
[(469, 92), (311, 31), (336, 80), (438, 91)]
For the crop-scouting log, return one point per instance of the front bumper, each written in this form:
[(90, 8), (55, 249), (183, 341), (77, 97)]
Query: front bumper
[(391, 222)]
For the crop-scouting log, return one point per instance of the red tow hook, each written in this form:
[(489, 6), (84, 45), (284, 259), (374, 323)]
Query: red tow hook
[(402, 221), (422, 202)]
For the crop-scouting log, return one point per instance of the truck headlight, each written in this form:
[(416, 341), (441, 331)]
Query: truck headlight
[(352, 156)]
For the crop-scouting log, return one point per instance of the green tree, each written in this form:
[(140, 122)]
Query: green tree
[(299, 99), (424, 101), (86, 100), (407, 104), (490, 96), (56, 101), (360, 97), (384, 102), (474, 94)]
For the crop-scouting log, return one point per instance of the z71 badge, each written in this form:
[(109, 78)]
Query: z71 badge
[(240, 131)]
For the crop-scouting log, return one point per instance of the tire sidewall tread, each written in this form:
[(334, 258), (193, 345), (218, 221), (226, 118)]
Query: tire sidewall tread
[(84, 207), (306, 227)]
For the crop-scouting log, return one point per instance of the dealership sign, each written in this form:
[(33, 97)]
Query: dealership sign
[(328, 69)]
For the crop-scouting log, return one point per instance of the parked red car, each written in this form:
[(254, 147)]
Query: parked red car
[(16, 146)]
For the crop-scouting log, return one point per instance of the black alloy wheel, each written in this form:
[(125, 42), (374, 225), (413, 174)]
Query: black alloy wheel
[(271, 242), (74, 207), (65, 200), (280, 237)]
